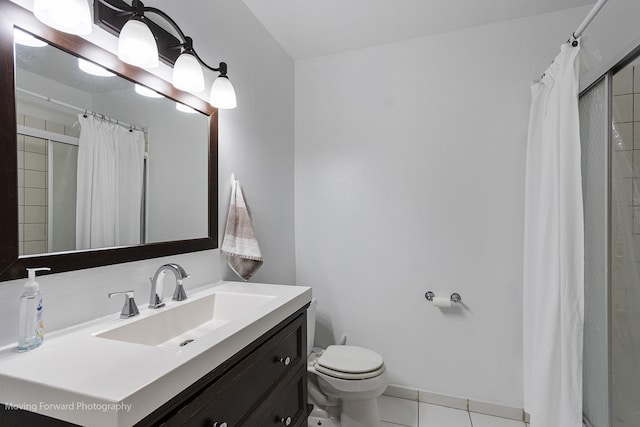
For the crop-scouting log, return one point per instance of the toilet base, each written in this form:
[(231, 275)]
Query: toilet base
[(322, 422), (323, 416), (360, 413), (355, 413)]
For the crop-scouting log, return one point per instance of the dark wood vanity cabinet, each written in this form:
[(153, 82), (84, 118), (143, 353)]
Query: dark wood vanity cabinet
[(263, 385)]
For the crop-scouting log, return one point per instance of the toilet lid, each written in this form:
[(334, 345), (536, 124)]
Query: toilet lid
[(350, 359)]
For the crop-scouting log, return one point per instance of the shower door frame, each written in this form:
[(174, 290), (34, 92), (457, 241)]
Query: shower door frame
[(607, 153)]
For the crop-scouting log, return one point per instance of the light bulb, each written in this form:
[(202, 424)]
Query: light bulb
[(137, 45), (187, 74), (185, 108), (69, 16), (145, 91), (94, 69), (222, 93)]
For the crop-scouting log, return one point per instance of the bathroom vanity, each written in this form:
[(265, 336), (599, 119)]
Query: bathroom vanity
[(236, 354)]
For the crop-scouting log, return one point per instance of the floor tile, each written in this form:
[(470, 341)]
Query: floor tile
[(398, 411), (439, 416), (482, 420)]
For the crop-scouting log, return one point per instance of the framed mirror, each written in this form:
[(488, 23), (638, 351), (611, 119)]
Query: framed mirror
[(50, 109)]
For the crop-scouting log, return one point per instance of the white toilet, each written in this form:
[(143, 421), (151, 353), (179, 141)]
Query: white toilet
[(344, 382)]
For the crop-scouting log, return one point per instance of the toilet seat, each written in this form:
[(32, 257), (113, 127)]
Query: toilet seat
[(350, 362)]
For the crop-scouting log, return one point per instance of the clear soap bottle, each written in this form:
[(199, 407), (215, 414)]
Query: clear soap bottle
[(31, 331)]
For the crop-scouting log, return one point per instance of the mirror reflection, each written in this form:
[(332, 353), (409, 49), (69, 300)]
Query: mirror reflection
[(101, 163)]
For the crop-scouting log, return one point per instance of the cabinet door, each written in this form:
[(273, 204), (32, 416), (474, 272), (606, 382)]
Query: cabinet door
[(239, 392), (286, 406)]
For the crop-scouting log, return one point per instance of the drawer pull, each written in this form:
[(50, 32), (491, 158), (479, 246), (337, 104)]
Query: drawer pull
[(286, 421), (285, 361), (217, 424)]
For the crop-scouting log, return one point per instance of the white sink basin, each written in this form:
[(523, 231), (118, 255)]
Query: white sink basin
[(188, 320)]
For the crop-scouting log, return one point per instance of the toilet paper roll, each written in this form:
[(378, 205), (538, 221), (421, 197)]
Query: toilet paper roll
[(442, 302)]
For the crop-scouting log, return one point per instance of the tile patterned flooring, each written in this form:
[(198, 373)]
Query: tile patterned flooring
[(408, 413)]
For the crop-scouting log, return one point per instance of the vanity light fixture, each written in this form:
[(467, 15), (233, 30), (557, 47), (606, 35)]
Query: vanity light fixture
[(171, 49), (27, 39), (222, 91), (68, 16), (93, 69), (145, 91), (187, 73), (136, 43)]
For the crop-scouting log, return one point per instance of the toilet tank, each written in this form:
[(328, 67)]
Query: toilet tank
[(311, 324)]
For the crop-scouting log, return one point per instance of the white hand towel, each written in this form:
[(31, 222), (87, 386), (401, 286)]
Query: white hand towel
[(239, 243)]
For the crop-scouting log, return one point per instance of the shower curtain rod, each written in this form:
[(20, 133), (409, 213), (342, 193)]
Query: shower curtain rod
[(585, 23), (81, 110)]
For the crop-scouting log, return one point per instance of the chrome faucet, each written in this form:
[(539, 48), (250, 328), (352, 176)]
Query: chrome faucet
[(155, 300)]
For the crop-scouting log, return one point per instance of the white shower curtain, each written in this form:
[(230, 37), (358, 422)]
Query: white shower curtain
[(110, 172), (554, 250)]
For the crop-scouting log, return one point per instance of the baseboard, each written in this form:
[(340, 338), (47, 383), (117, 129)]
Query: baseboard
[(455, 402)]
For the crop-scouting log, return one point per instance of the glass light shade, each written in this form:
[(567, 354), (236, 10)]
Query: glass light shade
[(69, 16), (185, 108), (145, 91), (137, 45), (93, 69), (187, 74), (222, 94), (26, 39)]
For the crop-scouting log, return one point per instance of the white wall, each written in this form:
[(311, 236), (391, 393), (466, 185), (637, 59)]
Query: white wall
[(256, 142), (409, 177)]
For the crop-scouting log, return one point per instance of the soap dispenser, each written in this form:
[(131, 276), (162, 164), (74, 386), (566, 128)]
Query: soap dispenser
[(31, 331)]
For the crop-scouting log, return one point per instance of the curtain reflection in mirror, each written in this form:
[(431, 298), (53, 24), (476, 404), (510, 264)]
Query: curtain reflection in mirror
[(110, 182)]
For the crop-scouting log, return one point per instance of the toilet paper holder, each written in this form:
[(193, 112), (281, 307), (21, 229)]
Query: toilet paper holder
[(455, 297)]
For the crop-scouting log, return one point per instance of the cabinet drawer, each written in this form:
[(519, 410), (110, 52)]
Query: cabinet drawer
[(239, 391), (286, 406)]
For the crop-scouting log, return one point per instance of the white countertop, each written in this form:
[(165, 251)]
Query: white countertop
[(92, 381)]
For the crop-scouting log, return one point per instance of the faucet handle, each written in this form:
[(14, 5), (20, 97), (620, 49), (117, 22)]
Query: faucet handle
[(130, 308)]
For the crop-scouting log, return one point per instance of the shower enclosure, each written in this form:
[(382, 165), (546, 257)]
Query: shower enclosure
[(47, 158), (610, 139)]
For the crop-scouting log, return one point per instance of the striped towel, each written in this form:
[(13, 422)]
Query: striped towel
[(239, 243)]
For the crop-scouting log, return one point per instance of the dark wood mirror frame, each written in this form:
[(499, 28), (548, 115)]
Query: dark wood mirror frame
[(12, 266)]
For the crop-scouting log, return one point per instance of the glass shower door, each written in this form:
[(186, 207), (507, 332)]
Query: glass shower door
[(625, 247)]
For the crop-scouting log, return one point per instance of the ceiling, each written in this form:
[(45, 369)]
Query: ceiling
[(311, 28)]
